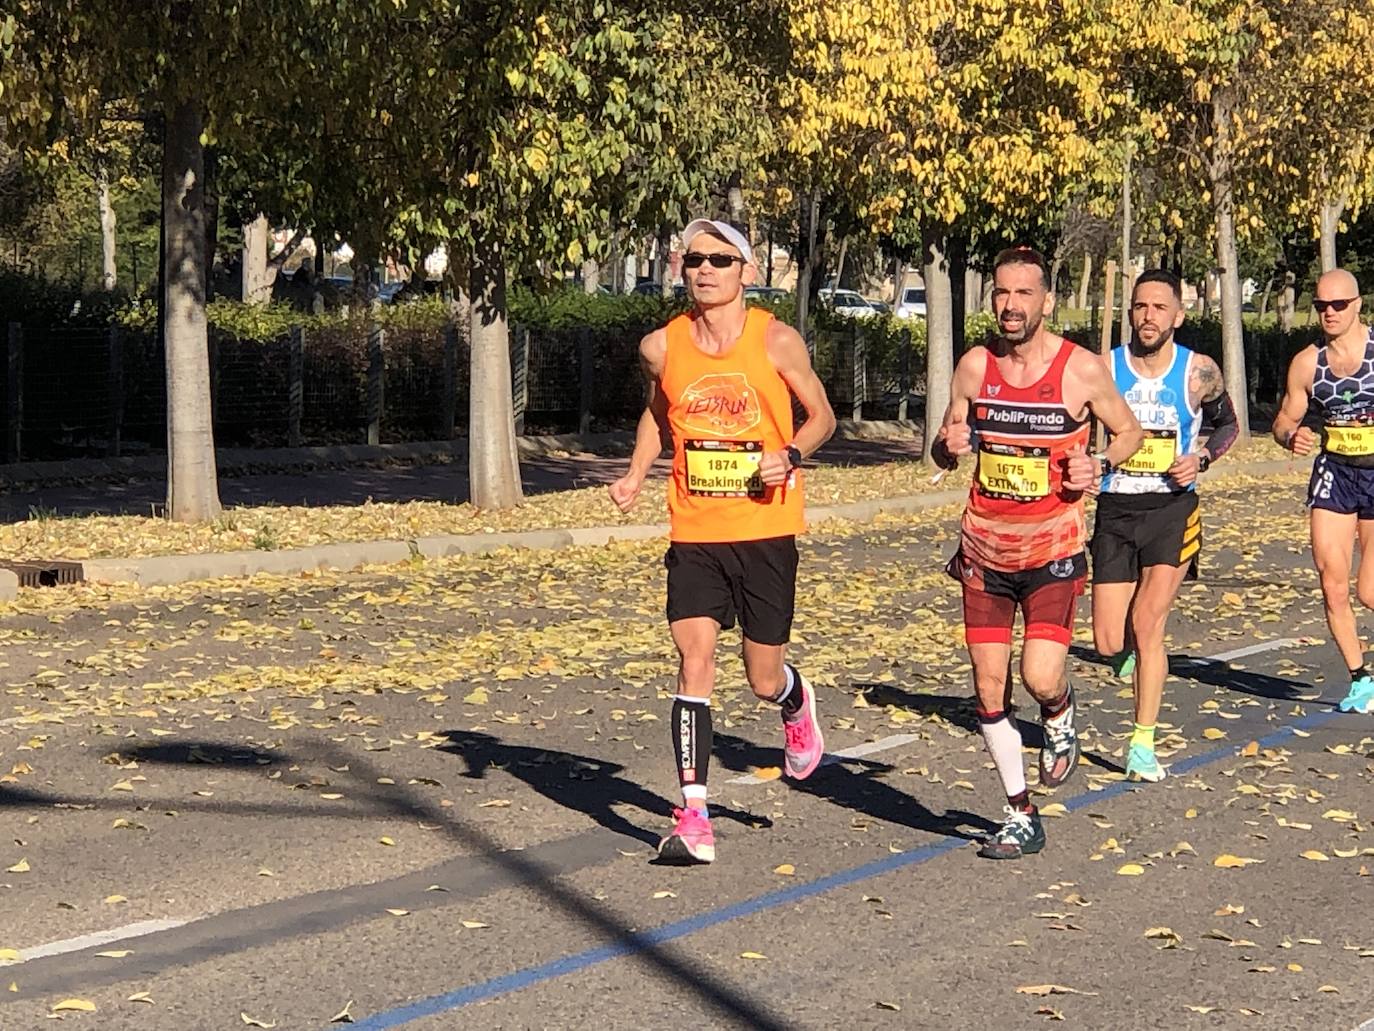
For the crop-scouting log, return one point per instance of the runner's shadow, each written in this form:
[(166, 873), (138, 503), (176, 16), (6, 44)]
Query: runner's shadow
[(855, 784), (961, 711), (1243, 681), (591, 786)]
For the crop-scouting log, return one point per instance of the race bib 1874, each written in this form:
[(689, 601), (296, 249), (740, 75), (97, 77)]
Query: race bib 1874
[(1157, 453), (1014, 473), (724, 468)]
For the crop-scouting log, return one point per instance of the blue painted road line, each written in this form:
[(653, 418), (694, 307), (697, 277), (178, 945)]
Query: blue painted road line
[(636, 943)]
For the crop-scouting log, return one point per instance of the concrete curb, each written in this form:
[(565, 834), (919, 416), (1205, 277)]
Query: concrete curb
[(173, 569)]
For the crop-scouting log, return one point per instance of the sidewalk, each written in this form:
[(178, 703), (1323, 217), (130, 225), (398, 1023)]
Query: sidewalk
[(448, 482), (393, 473)]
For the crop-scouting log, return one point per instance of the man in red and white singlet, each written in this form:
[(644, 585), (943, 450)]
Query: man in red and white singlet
[(721, 380), (1022, 406)]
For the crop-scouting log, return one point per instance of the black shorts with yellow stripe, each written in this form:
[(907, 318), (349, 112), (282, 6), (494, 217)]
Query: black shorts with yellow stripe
[(1133, 531)]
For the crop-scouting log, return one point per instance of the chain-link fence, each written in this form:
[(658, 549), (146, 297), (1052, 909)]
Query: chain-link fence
[(102, 392)]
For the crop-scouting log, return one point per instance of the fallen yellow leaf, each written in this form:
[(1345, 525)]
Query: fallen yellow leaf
[(766, 772), (785, 870), (254, 1021), (473, 925), (1213, 734), (386, 841), (1053, 809), (1315, 856), (75, 1006), (1131, 870), (477, 696), (1230, 862), (20, 867), (116, 953), (752, 955)]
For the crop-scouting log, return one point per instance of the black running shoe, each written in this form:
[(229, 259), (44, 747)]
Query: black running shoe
[(1021, 834), (1059, 756)]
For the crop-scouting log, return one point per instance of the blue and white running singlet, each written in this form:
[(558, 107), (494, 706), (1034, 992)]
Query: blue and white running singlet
[(1169, 420)]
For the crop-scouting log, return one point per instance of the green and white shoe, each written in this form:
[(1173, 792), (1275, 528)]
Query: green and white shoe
[(1123, 665), (1141, 764)]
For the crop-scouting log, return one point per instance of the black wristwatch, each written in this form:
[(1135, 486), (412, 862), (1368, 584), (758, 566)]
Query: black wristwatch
[(1105, 462), (794, 456), (1204, 462)]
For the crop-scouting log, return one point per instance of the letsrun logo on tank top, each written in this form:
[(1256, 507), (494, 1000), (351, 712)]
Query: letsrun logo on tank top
[(725, 410), (1019, 515)]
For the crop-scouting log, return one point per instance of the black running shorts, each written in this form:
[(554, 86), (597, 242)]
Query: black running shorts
[(1133, 531), (754, 582)]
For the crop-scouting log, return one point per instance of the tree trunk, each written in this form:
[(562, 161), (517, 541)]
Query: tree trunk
[(810, 257), (1331, 210), (839, 272), (1264, 298), (192, 486), (591, 276), (1085, 281), (665, 264), (1127, 262), (1288, 300), (109, 274), (211, 192), (1054, 279), (1223, 201), (493, 461), (958, 273), (939, 331), (257, 288)]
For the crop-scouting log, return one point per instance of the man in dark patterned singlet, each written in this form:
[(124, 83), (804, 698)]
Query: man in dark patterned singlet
[(1337, 376)]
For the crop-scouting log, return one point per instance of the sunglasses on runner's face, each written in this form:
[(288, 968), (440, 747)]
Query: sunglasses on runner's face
[(695, 260), (1339, 305)]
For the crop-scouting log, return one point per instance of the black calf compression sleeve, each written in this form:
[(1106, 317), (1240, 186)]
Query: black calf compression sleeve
[(691, 730)]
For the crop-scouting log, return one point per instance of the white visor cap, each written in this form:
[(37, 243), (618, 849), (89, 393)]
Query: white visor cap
[(721, 229)]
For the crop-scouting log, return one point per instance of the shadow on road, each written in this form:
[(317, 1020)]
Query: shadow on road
[(730, 1005), (961, 711), (856, 785)]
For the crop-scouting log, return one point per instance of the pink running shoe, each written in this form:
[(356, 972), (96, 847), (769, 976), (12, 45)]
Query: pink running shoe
[(691, 840), (805, 745)]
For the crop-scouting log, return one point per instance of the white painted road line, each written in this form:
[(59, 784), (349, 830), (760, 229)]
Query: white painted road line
[(1255, 649), (89, 941), (857, 752)]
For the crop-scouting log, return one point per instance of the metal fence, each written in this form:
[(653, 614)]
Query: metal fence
[(76, 392)]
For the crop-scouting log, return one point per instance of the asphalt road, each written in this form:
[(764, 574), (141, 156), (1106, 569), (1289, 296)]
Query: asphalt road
[(430, 793)]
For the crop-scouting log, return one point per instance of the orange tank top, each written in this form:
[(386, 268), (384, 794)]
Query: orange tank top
[(1020, 515), (725, 411)]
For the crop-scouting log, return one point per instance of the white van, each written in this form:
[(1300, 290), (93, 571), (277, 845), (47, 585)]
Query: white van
[(912, 303)]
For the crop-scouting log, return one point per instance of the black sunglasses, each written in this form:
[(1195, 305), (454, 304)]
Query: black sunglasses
[(1339, 305), (695, 260)]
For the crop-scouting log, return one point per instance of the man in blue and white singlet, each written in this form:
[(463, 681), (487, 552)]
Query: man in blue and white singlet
[(1337, 374), (1148, 531)]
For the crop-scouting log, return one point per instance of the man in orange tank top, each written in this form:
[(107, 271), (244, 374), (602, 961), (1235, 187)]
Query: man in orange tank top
[(720, 385), (1023, 405)]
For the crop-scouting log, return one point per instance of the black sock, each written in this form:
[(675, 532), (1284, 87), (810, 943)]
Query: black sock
[(1049, 710), (1021, 803), (1358, 672), (792, 702), (691, 730)]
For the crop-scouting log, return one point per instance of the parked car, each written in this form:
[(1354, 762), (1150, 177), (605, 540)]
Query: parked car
[(847, 302), (770, 294), (912, 303)]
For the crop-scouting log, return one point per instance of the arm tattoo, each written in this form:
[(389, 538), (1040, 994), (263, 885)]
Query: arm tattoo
[(1209, 384)]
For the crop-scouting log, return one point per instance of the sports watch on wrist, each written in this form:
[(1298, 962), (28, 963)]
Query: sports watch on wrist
[(794, 456), (1105, 463), (1204, 461)]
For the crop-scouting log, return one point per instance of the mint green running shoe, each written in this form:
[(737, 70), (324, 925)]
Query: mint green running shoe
[(1361, 697), (1141, 764), (1123, 665)]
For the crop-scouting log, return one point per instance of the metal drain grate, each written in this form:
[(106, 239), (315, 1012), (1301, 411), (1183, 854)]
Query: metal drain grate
[(46, 574)]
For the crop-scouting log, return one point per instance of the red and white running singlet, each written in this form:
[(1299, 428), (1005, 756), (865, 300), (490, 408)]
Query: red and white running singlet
[(1019, 515)]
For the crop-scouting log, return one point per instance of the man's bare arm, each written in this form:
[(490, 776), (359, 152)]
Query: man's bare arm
[(1110, 408), (1297, 392), (787, 350), (955, 436), (1208, 391), (652, 433)]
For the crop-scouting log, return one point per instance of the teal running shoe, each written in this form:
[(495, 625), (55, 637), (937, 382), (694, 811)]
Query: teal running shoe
[(1142, 764), (1361, 697)]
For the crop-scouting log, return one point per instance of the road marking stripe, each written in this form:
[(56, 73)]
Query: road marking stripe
[(87, 941), (857, 752)]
